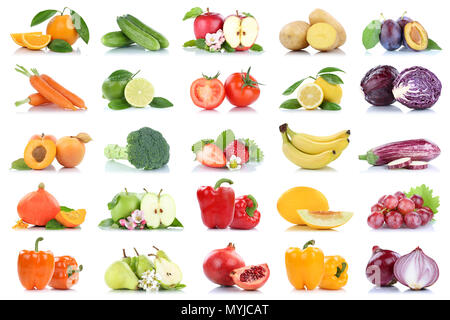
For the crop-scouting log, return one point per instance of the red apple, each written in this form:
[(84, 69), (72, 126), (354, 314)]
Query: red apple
[(240, 31), (208, 22)]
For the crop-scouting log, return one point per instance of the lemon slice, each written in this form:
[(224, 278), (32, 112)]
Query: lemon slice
[(139, 92), (310, 96)]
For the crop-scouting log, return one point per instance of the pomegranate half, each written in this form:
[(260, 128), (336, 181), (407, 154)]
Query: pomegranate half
[(251, 277)]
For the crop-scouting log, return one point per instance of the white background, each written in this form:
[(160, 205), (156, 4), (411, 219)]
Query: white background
[(349, 184)]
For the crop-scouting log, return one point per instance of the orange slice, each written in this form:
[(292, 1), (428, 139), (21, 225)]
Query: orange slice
[(36, 42), (325, 219), (17, 37)]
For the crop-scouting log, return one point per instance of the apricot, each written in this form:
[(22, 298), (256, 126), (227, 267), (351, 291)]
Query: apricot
[(70, 150), (40, 152)]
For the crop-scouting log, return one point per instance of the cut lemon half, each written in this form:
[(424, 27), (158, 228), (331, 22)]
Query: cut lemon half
[(17, 37), (36, 41), (324, 219), (310, 96), (139, 92)]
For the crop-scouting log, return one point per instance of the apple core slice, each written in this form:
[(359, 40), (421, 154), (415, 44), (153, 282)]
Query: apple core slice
[(232, 31), (249, 31), (324, 219)]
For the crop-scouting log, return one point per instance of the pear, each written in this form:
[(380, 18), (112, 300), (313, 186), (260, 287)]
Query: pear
[(123, 205), (169, 272), (142, 264), (159, 209), (120, 276)]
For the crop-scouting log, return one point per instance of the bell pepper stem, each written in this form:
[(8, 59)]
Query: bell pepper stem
[(36, 244), (341, 269), (251, 210), (309, 243), (219, 183)]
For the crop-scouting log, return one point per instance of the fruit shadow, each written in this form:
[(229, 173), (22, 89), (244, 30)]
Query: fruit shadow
[(324, 169), (378, 169), (201, 52), (297, 53), (25, 51), (232, 290), (202, 168), (114, 166), (335, 52), (384, 290), (242, 110), (427, 228), (143, 292), (135, 50), (51, 108), (384, 109), (40, 229), (307, 229)]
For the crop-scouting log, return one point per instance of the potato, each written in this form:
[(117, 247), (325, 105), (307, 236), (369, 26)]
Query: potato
[(322, 36), (293, 35), (320, 15)]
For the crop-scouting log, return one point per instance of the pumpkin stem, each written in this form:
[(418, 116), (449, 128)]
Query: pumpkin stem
[(41, 186)]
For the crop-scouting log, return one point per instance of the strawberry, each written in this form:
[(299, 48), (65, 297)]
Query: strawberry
[(212, 156), (238, 149)]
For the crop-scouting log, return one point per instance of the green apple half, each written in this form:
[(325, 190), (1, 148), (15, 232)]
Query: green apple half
[(159, 209)]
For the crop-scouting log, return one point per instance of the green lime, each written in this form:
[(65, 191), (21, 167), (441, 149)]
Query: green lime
[(139, 92), (113, 90)]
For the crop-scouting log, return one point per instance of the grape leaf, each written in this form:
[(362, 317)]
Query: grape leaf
[(426, 193)]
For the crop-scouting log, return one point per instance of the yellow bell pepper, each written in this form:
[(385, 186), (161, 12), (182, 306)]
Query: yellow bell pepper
[(305, 266), (335, 275)]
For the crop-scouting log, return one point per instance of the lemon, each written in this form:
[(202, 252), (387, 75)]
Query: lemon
[(310, 96), (331, 92), (139, 92)]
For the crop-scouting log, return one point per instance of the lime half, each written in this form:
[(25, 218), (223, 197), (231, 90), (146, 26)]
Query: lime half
[(139, 92)]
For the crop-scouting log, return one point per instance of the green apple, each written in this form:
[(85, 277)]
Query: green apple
[(159, 209), (123, 205), (169, 272), (120, 276)]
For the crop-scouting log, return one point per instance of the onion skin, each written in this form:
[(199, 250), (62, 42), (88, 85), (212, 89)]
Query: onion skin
[(380, 268), (416, 270)]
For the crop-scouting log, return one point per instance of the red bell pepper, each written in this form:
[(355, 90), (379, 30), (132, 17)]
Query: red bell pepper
[(35, 268), (216, 205), (246, 215)]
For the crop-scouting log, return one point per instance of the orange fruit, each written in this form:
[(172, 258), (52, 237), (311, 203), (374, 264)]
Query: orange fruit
[(17, 37), (35, 42), (61, 27), (324, 219)]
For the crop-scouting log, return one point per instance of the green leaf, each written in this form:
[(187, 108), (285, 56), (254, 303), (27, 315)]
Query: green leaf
[(107, 223), (247, 14), (119, 104), (113, 202), (190, 43), (293, 87), (120, 75), (330, 69), (331, 106), (331, 78), (225, 138), (180, 286), (54, 225), (159, 102), (42, 16), (201, 44), (66, 209), (433, 45), (290, 104), (20, 164), (198, 146), (426, 193), (176, 224), (255, 153), (59, 45), (80, 25), (256, 47), (371, 34), (193, 13), (226, 46)]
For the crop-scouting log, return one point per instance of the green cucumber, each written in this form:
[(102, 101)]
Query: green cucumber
[(116, 39), (137, 34), (164, 43)]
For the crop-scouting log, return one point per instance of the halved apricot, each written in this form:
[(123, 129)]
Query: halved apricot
[(39, 153), (324, 219)]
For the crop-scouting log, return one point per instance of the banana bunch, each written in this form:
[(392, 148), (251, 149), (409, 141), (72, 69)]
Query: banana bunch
[(312, 152)]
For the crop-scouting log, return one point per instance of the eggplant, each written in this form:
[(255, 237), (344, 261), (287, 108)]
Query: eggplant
[(416, 149)]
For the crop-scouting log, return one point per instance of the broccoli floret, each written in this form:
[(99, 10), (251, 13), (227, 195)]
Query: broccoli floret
[(146, 149)]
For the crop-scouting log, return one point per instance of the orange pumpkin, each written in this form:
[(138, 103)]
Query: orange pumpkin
[(71, 219), (40, 152), (38, 207)]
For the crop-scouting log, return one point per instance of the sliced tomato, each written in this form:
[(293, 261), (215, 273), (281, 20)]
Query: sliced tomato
[(207, 93), (212, 156)]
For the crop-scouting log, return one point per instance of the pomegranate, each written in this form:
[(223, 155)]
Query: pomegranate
[(219, 264), (251, 277)]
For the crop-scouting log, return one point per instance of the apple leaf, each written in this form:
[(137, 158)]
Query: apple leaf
[(226, 46), (193, 13), (113, 202), (247, 14), (190, 43), (107, 223), (176, 224), (256, 47)]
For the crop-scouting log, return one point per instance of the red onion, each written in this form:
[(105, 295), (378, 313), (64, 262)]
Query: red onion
[(416, 270)]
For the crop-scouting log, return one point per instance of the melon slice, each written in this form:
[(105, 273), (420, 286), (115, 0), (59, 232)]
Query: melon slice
[(324, 219)]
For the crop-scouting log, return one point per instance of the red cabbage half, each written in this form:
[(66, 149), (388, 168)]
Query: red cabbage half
[(417, 88)]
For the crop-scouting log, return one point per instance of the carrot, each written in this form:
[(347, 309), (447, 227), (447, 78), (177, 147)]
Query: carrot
[(35, 99), (47, 91), (76, 100)]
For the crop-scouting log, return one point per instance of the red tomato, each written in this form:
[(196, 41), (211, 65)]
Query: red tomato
[(207, 93), (241, 89)]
